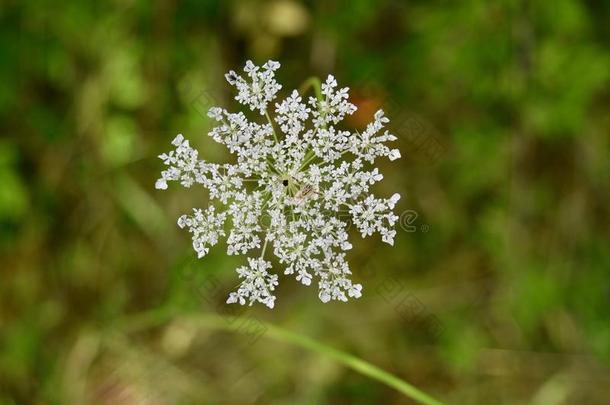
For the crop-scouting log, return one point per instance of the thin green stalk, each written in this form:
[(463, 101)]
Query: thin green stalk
[(272, 127), (355, 363), (272, 167), (315, 83), (158, 317), (264, 247), (307, 161), (266, 199)]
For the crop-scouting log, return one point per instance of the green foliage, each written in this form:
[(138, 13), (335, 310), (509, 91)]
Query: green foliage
[(501, 109)]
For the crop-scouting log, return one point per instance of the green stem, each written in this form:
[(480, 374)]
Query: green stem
[(315, 83), (158, 317), (272, 127), (266, 199), (307, 160), (264, 247), (272, 167)]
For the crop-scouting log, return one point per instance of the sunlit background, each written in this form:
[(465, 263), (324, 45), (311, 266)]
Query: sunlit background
[(497, 290)]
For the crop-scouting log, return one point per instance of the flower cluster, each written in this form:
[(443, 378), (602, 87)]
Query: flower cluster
[(297, 183)]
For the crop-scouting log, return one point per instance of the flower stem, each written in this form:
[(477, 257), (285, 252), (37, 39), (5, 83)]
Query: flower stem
[(315, 83), (227, 323), (307, 160), (272, 126), (264, 247)]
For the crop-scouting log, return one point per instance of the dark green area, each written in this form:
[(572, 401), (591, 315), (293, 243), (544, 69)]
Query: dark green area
[(500, 294)]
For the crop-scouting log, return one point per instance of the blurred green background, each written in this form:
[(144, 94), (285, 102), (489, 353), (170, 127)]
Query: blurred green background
[(496, 292)]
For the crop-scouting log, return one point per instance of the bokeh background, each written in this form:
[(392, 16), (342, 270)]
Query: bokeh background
[(496, 292)]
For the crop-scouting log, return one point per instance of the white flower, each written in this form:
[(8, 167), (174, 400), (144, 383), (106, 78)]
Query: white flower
[(369, 145), (261, 87), (333, 107), (375, 215), (258, 284), (295, 187), (205, 227), (291, 114)]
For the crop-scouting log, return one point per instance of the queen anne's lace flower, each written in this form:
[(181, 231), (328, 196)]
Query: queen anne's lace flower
[(292, 190)]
